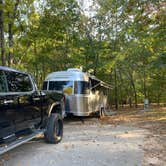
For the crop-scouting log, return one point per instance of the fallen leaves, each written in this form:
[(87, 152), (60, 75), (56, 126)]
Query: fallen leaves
[(153, 120)]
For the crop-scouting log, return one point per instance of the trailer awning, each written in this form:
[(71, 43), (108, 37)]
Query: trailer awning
[(98, 82)]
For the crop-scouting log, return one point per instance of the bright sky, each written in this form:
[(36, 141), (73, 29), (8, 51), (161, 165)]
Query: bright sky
[(88, 7)]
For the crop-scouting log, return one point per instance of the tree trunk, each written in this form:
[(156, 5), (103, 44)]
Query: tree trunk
[(115, 48), (11, 17), (122, 100), (10, 39), (96, 64), (90, 42), (130, 96), (43, 63), (144, 79), (36, 63), (2, 41), (134, 89), (130, 102), (116, 90), (97, 52), (135, 95)]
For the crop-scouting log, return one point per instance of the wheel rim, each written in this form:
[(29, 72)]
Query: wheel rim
[(58, 129)]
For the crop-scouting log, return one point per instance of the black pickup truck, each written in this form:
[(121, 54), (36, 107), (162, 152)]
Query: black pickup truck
[(26, 112)]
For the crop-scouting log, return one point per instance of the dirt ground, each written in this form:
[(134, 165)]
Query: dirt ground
[(153, 120), (131, 137)]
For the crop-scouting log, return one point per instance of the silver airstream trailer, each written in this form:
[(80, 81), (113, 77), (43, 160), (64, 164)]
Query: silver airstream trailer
[(84, 93)]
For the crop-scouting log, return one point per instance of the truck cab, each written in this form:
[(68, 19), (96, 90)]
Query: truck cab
[(26, 111)]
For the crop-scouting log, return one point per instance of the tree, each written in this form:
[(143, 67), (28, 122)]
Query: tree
[(2, 40)]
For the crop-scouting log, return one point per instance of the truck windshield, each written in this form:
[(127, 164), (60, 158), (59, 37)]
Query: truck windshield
[(59, 85)]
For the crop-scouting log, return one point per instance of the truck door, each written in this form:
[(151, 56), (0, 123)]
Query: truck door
[(8, 105), (28, 111)]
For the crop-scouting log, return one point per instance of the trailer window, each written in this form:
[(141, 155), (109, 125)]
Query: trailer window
[(60, 85), (81, 87)]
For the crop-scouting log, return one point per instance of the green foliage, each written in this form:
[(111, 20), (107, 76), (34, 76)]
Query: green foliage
[(123, 44)]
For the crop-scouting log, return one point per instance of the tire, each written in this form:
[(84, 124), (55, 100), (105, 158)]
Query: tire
[(54, 129)]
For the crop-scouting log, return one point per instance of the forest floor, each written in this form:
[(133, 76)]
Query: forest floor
[(153, 120), (131, 137)]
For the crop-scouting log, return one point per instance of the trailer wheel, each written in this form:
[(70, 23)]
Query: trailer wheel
[(54, 129)]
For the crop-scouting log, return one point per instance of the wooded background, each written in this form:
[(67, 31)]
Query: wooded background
[(122, 42)]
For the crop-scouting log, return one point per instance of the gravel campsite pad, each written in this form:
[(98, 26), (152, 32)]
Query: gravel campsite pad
[(129, 138), (84, 144)]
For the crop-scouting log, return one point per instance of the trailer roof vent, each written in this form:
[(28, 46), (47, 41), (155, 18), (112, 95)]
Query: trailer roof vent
[(74, 70)]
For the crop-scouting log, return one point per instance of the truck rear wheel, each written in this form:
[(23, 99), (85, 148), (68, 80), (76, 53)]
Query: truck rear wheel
[(54, 129)]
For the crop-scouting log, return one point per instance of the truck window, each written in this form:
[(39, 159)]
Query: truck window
[(3, 86), (18, 82), (45, 85), (59, 85), (81, 87)]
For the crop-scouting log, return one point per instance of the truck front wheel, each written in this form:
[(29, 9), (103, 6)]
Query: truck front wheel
[(54, 129)]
